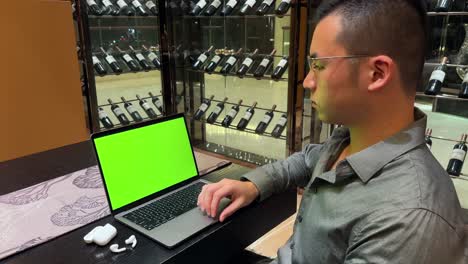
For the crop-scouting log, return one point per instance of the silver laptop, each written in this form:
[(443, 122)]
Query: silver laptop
[(151, 179)]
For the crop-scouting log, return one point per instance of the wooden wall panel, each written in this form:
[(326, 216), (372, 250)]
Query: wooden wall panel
[(41, 106)]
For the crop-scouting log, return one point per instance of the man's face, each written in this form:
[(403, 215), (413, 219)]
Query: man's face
[(334, 85)]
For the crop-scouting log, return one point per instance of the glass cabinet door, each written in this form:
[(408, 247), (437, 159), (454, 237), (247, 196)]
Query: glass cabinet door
[(122, 48), (224, 71)]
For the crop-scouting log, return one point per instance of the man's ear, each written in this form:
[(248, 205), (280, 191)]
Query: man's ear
[(381, 71)]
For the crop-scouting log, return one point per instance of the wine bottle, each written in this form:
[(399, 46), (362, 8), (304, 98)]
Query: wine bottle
[(248, 5), (264, 65), (109, 8), (280, 69), (229, 7), (201, 59), (139, 8), (216, 112), (125, 9), (141, 59), (146, 107), (246, 65), (247, 117), (263, 125), (458, 157), (112, 62), (264, 7), (93, 8), (123, 119), (230, 62), (157, 102), (131, 63), (280, 126), (437, 78), (104, 118), (153, 57), (464, 87), (443, 5), (98, 66), (203, 107), (212, 8), (231, 115), (428, 139), (152, 7), (198, 8), (215, 61), (131, 110), (283, 8)]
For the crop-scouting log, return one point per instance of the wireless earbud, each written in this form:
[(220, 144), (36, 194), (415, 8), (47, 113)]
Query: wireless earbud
[(131, 240), (115, 248)]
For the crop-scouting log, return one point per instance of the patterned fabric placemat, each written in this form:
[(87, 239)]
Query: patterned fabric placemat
[(61, 205)]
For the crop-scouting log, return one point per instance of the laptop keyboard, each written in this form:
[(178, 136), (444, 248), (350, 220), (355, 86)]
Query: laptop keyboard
[(161, 211)]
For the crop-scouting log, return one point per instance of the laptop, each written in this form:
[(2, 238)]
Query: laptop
[(151, 179)]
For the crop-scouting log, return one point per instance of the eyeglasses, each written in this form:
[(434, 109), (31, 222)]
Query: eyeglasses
[(315, 63)]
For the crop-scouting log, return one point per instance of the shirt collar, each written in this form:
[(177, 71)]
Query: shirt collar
[(369, 161)]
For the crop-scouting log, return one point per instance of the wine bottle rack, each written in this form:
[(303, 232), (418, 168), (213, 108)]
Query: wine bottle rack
[(247, 76), (127, 71), (177, 74), (132, 100), (247, 106)]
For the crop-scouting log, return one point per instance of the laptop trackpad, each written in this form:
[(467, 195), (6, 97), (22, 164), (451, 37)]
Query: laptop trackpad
[(182, 227)]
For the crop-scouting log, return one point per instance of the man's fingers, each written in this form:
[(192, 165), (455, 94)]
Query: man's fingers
[(208, 197), (200, 196), (217, 196), (228, 211)]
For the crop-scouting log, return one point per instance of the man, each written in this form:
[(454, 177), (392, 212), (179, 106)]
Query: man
[(373, 192)]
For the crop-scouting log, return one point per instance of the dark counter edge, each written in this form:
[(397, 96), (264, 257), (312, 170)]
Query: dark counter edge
[(26, 171)]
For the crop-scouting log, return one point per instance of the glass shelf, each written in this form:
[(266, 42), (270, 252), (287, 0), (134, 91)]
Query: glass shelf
[(235, 16), (448, 65), (122, 17), (122, 27), (442, 96), (447, 13), (247, 130)]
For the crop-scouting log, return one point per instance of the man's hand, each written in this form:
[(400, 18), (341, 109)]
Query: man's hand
[(240, 193)]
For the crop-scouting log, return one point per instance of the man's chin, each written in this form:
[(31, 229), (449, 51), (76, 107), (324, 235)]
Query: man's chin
[(327, 118)]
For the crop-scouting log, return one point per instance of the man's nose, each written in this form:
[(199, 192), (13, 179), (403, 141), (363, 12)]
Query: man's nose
[(310, 82)]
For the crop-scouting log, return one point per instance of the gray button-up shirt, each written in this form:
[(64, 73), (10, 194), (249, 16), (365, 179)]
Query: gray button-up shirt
[(390, 203)]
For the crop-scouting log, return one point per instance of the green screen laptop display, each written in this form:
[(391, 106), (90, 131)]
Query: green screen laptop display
[(139, 162)]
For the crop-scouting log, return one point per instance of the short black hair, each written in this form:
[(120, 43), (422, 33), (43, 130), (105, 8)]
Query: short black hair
[(396, 28)]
